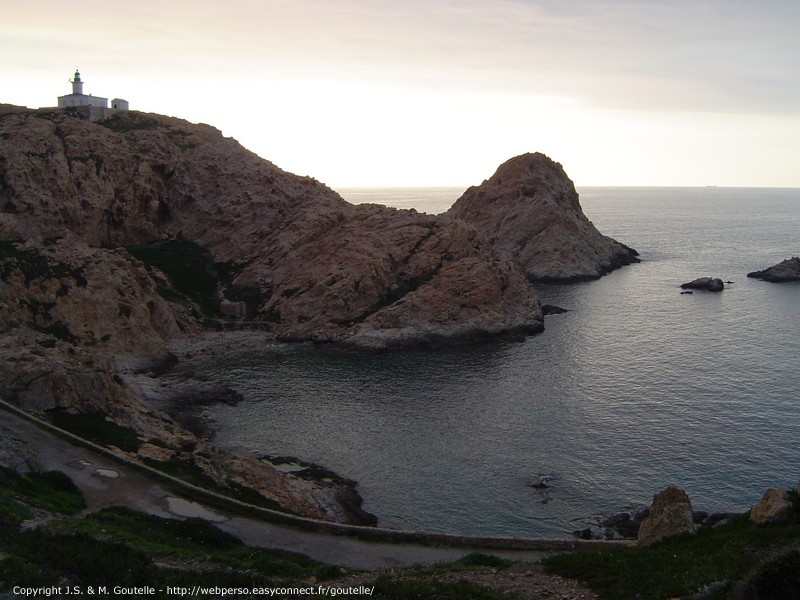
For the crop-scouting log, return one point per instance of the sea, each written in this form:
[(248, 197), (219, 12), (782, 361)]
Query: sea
[(635, 388)]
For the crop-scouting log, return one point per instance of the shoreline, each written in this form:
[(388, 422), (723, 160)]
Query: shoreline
[(209, 344)]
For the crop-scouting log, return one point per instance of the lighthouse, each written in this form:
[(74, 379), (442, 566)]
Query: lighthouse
[(78, 98), (77, 84)]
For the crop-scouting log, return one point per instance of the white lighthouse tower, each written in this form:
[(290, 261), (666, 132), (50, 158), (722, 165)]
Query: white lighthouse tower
[(77, 84)]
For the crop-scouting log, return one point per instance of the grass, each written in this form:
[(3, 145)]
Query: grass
[(676, 566), (398, 589), (96, 428), (198, 540), (51, 490), (123, 547)]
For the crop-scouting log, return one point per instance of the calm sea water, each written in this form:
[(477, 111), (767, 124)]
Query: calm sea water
[(635, 388)]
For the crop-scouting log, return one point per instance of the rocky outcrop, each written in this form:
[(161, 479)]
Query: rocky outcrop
[(16, 453), (529, 210), (289, 254), (709, 284), (774, 507), (670, 514), (787, 270), (118, 236)]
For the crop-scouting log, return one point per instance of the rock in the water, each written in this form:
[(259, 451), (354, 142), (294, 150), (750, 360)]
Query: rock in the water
[(774, 507), (529, 210), (787, 270), (550, 309), (709, 284), (670, 514)]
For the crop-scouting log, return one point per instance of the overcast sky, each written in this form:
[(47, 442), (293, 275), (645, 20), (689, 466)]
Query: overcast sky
[(440, 92)]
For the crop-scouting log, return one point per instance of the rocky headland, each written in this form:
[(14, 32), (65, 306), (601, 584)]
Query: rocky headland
[(786, 270), (119, 238), (530, 212)]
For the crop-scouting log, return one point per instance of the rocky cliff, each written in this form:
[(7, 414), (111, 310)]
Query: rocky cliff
[(529, 210), (119, 236), (298, 259)]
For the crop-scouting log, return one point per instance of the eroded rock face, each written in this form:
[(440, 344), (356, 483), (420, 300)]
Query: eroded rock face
[(786, 270), (670, 514), (529, 210)]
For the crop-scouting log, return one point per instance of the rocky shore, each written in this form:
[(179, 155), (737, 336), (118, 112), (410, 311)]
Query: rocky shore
[(786, 270)]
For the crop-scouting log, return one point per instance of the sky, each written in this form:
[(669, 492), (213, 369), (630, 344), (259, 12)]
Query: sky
[(440, 92)]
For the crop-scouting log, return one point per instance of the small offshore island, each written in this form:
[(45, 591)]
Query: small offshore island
[(122, 236)]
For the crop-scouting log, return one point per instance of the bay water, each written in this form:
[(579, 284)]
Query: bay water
[(636, 387)]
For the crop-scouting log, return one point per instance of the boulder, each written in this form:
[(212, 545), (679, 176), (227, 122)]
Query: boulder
[(709, 284), (787, 270), (530, 212), (16, 453), (774, 507), (670, 514)]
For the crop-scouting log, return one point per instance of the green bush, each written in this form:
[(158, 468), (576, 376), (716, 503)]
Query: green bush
[(676, 566), (96, 428), (190, 269), (52, 490)]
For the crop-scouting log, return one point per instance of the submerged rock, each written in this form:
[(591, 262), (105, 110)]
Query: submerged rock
[(787, 270), (550, 309), (709, 284), (530, 212)]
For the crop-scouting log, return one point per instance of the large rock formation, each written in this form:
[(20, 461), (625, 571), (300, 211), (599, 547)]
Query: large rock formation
[(786, 270), (529, 210), (303, 262), (670, 514), (118, 236)]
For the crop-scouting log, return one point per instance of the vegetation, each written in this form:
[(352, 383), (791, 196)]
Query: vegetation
[(96, 428), (714, 559), (123, 547), (398, 589), (190, 269), (52, 491)]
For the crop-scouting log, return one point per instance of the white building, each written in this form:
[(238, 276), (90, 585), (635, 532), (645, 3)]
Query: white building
[(96, 106)]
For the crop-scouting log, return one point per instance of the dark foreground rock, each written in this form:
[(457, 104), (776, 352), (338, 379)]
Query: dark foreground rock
[(530, 212), (787, 270), (709, 284)]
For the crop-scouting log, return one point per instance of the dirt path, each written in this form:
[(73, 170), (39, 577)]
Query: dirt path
[(106, 482)]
